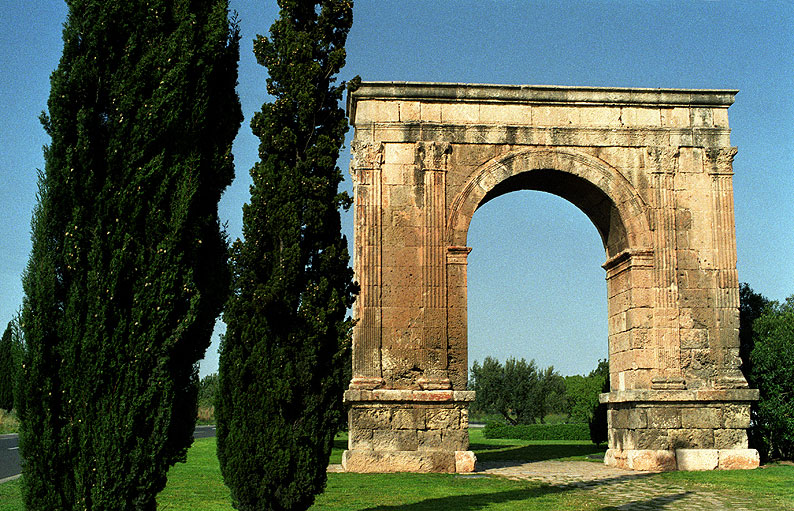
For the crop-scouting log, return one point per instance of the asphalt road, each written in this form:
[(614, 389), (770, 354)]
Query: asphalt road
[(9, 457), (10, 460)]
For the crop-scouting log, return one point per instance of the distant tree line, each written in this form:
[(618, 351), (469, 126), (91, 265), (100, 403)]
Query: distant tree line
[(522, 393), (519, 391)]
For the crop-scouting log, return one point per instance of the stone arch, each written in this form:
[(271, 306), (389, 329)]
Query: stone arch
[(598, 189), (651, 168)]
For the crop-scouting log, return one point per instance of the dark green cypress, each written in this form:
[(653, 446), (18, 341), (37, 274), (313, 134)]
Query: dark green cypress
[(127, 271), (7, 369), (283, 354)]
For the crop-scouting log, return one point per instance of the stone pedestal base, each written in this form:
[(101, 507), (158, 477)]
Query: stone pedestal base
[(363, 460), (660, 460), (408, 431), (661, 430)]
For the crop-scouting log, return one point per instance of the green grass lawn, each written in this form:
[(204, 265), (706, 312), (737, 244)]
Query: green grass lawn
[(197, 484)]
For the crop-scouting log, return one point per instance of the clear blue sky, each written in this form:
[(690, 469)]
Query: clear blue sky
[(536, 288)]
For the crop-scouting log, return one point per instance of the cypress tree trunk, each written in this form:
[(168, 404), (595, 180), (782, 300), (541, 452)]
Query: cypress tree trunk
[(127, 271), (283, 355)]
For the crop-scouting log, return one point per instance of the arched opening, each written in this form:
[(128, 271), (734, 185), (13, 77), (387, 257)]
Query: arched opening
[(535, 283), (612, 206), (587, 197)]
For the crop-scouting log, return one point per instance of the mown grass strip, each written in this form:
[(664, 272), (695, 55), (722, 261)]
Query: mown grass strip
[(197, 484)]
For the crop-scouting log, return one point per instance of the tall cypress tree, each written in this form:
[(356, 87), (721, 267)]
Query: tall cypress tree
[(127, 270), (282, 358)]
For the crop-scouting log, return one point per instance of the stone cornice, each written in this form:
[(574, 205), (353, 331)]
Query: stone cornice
[(679, 396), (408, 395), (541, 94)]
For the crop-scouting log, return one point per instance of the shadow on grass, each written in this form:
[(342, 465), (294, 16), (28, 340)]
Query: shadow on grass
[(476, 501), (471, 502), (524, 453), (652, 503)]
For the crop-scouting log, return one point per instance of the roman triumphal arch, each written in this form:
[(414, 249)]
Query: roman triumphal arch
[(651, 168)]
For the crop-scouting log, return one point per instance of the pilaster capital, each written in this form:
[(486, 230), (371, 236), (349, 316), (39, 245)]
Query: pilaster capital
[(432, 155), (662, 160), (366, 155), (719, 160)]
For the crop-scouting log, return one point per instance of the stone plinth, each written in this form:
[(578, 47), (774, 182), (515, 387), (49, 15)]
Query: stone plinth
[(679, 429), (408, 431)]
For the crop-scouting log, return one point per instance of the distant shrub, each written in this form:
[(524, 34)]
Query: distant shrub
[(598, 426), (206, 415), (208, 389), (538, 431), (8, 422), (773, 373)]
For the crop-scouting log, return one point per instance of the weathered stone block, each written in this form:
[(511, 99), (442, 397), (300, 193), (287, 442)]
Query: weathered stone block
[(430, 111), (623, 438), (618, 418), (736, 416), (675, 117), (443, 418), (505, 114), (738, 459), (704, 417), (632, 116), (697, 459), (638, 419), (600, 116), (730, 439), (694, 338), (652, 439), (664, 417), (651, 460), (554, 115), (395, 440), (359, 439), (370, 418), (398, 461), (616, 458), (702, 117), (460, 113), (464, 462), (409, 111), (455, 439), (429, 440), (639, 318), (691, 438), (408, 418)]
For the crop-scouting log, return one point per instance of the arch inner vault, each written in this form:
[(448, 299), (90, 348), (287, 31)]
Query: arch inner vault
[(651, 168)]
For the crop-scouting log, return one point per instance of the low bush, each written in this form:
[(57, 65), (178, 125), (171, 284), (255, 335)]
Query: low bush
[(538, 431), (206, 415), (773, 373), (8, 422)]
